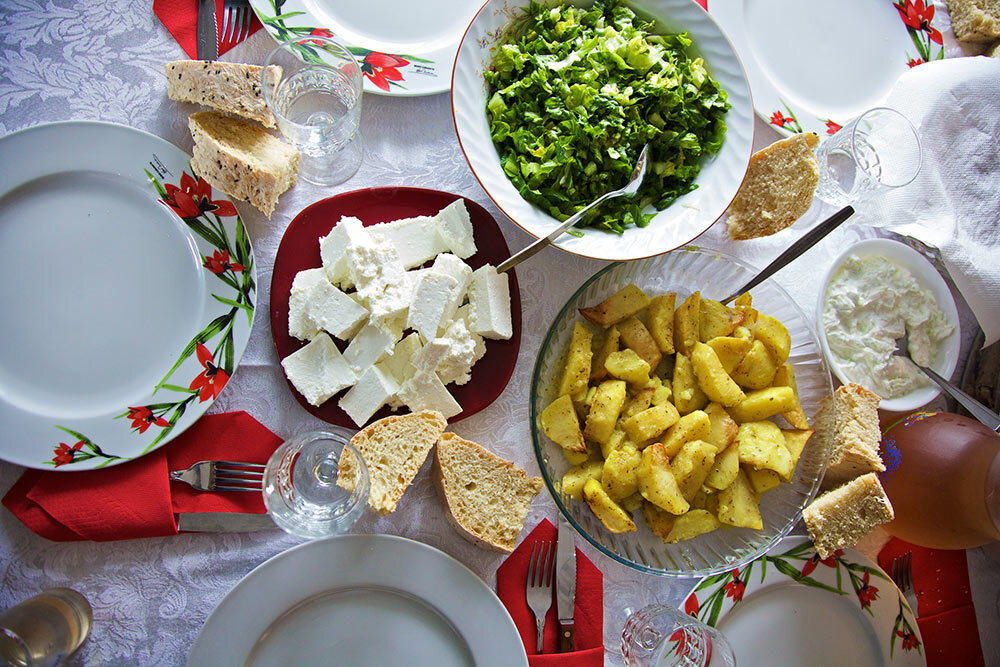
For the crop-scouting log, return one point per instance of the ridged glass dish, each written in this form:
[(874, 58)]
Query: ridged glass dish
[(717, 275)]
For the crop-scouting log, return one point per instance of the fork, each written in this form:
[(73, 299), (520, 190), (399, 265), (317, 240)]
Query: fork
[(235, 20), (222, 476), (902, 575), (538, 590)]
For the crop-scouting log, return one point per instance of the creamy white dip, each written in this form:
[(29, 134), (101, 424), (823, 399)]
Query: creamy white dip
[(870, 302)]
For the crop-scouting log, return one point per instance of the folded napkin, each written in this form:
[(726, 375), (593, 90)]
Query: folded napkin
[(181, 18), (954, 203), (137, 499), (947, 617), (588, 613)]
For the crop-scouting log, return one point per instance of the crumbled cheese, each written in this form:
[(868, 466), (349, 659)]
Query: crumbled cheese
[(450, 265), (318, 370), (400, 361), (333, 248), (489, 304), (464, 349)]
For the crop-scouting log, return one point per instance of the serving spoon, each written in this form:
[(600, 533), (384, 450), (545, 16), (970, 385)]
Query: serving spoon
[(628, 190)]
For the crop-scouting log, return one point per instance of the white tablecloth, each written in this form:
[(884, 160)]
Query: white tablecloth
[(103, 61)]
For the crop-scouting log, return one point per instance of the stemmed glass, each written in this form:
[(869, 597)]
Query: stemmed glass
[(666, 637)]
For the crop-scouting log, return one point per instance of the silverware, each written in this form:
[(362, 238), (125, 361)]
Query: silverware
[(566, 585), (538, 589), (223, 522), (235, 20), (807, 241), (208, 32), (902, 575), (629, 190), (222, 476), (975, 408)]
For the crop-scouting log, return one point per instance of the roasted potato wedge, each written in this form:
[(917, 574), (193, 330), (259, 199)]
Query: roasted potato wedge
[(686, 324), (692, 524), (628, 365), (659, 520), (604, 410), (730, 350), (713, 378), (635, 336), (610, 344), (625, 303), (775, 337), (610, 513), (737, 504), (762, 446), (715, 319), (577, 369), (724, 468), (692, 426), (660, 321), (620, 475), (757, 369), (561, 424), (691, 466), (763, 403), (785, 377), (657, 483), (688, 396), (577, 476), (762, 480), (722, 429), (642, 427)]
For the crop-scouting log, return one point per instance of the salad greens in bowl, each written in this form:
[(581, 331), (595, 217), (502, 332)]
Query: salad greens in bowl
[(553, 101)]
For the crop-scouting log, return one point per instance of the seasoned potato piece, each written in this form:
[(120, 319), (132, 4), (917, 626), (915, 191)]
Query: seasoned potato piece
[(757, 369), (659, 520), (762, 480), (633, 502), (620, 476), (687, 394), (762, 446), (713, 378), (561, 424), (692, 426), (785, 377), (610, 344), (701, 498), (723, 427), (651, 422), (657, 483), (686, 324), (604, 410), (763, 403), (638, 402), (744, 306), (628, 365), (775, 337), (636, 336), (795, 442), (691, 466), (692, 524), (662, 395), (616, 441), (737, 504), (628, 301), (715, 319), (660, 321), (577, 369), (582, 401), (607, 510), (730, 350), (724, 468), (577, 476)]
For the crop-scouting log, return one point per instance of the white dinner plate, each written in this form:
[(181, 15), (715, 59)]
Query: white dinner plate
[(359, 600), (122, 320), (788, 607), (813, 66), (406, 48)]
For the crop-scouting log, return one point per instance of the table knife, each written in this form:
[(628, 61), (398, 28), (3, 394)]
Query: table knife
[(208, 32), (566, 585), (223, 522)]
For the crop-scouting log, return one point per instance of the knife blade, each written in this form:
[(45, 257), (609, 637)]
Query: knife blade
[(208, 31), (566, 585), (223, 522)]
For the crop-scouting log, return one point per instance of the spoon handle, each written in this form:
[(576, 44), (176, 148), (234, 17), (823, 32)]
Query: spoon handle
[(975, 408), (533, 248), (807, 241)]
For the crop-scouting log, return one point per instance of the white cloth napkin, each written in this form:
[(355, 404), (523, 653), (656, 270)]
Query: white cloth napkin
[(954, 203)]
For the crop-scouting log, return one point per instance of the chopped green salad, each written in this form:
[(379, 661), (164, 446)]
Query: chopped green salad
[(575, 95)]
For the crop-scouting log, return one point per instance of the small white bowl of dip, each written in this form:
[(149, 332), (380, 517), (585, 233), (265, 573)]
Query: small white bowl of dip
[(874, 302)]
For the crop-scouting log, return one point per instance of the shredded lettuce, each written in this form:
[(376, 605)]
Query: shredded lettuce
[(575, 93)]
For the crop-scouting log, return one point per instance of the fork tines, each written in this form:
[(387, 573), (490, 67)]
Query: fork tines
[(237, 476), (236, 21), (540, 567)]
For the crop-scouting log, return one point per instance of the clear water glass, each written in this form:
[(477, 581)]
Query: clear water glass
[(316, 102), (45, 629), (316, 485), (661, 636), (877, 151)]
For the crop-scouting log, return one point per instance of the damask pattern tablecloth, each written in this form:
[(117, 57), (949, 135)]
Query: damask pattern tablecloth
[(103, 60)]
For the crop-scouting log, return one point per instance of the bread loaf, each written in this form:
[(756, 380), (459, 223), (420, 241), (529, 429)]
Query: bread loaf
[(975, 20), (839, 518), (239, 158), (230, 87), (850, 420)]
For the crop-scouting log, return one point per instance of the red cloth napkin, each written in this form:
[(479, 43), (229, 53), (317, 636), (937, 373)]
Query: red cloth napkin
[(137, 499), (588, 613), (181, 18), (947, 618)]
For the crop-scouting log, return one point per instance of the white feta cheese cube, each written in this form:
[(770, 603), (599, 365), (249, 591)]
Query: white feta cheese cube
[(424, 391), (371, 260), (400, 362), (334, 311), (430, 299), (489, 304), (464, 349), (368, 346), (318, 370), (430, 355), (372, 390), (300, 325), (451, 265), (455, 227), (388, 302), (333, 248), (416, 239)]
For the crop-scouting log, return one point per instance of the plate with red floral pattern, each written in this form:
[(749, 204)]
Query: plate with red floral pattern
[(791, 607), (406, 48), (128, 293), (813, 66)]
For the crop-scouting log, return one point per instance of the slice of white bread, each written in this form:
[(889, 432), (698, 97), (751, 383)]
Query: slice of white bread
[(975, 20), (850, 419), (838, 519), (485, 497), (239, 158), (230, 87), (393, 448), (778, 188)]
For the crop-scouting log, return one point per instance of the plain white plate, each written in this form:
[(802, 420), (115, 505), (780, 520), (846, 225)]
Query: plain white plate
[(359, 600), (104, 287)]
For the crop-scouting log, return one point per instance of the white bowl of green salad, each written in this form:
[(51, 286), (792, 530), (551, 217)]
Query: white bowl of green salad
[(554, 100)]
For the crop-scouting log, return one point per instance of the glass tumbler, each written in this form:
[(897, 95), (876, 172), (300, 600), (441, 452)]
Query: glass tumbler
[(661, 636), (315, 97), (44, 630), (876, 151), (316, 485)]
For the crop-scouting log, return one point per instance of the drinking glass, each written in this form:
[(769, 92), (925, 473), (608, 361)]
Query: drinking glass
[(877, 151), (663, 636), (316, 484), (316, 102), (44, 630)]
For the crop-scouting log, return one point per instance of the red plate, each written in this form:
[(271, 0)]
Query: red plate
[(299, 250)]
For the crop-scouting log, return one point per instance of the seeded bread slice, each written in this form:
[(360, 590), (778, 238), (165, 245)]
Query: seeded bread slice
[(975, 20), (839, 518), (778, 188), (393, 448), (239, 158), (485, 497), (850, 419), (230, 87)]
